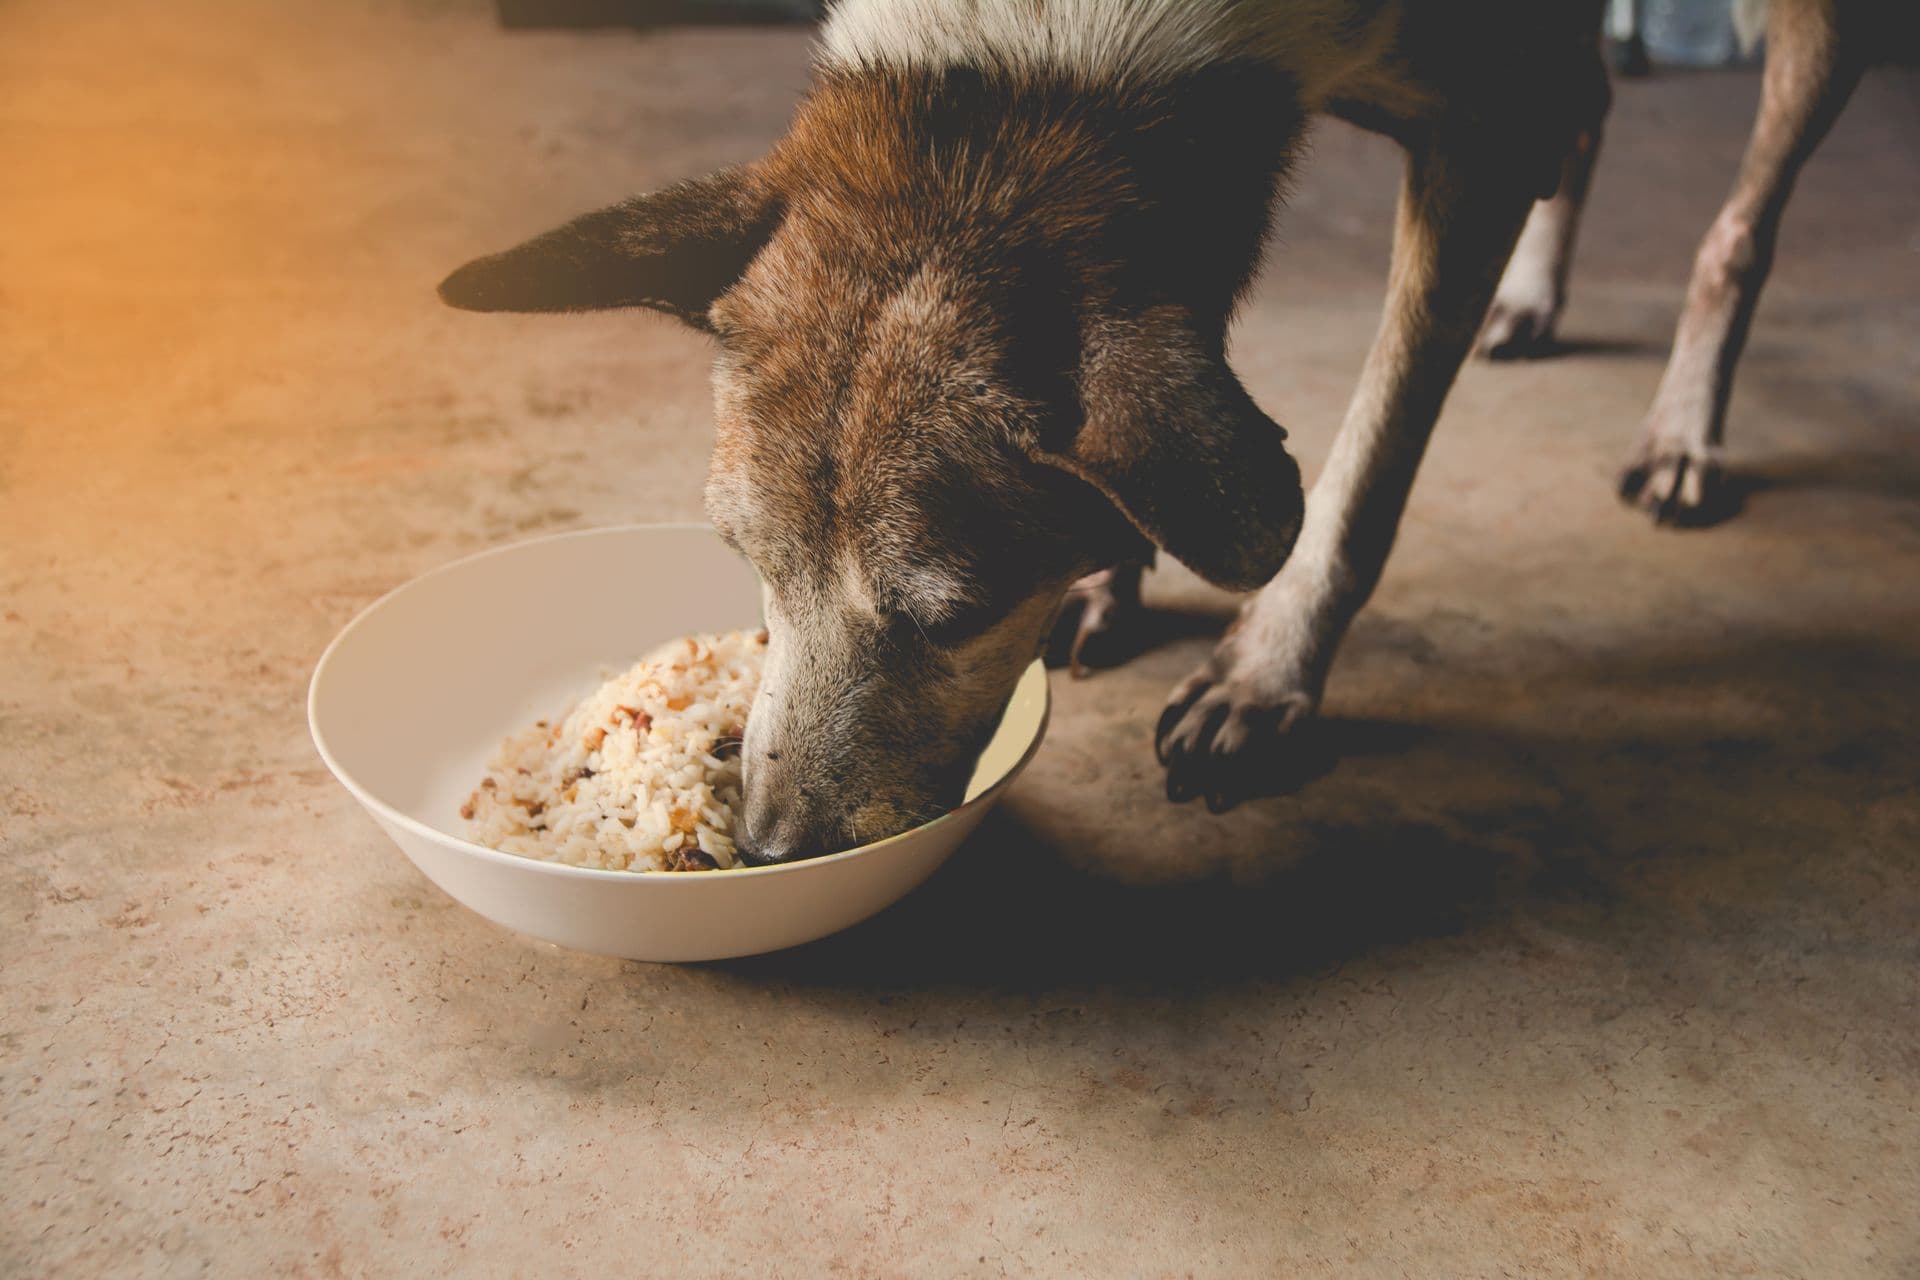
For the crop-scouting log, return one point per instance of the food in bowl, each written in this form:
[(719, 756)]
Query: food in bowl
[(643, 774)]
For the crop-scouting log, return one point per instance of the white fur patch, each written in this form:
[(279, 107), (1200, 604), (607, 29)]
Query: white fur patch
[(853, 589), (926, 591), (1100, 39), (929, 591)]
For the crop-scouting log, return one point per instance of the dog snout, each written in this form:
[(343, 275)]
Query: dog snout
[(775, 832), (787, 822), (780, 820)]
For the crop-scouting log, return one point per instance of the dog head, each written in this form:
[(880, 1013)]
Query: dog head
[(971, 346)]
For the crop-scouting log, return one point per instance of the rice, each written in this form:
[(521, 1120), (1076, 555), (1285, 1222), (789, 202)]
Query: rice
[(643, 774)]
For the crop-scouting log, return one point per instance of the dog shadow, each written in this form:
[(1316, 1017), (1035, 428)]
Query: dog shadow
[(1602, 348), (1887, 475), (1873, 475), (1012, 914), (1015, 911), (1724, 498), (1154, 627), (1422, 832), (1289, 765)]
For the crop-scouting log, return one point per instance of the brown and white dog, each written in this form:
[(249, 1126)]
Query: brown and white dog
[(972, 311)]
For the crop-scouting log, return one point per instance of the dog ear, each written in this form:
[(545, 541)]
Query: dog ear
[(1172, 438), (674, 251)]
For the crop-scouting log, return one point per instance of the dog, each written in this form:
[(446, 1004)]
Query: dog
[(971, 315)]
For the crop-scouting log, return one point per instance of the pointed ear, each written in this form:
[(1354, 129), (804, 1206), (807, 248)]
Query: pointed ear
[(1171, 436), (674, 251)]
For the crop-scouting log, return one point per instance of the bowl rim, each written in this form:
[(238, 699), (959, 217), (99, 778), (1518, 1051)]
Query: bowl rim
[(387, 813)]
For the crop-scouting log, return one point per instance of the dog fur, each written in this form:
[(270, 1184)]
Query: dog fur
[(971, 315)]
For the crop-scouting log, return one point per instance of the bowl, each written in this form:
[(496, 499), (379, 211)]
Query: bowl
[(411, 699)]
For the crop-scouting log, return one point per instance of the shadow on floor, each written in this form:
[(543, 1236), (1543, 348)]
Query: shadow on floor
[(1153, 628), (1876, 475), (1601, 348), (1012, 914), (1408, 838), (1893, 475)]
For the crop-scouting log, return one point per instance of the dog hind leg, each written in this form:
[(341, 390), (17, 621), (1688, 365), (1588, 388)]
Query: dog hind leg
[(1533, 289), (1811, 70), (1099, 612), (1461, 208)]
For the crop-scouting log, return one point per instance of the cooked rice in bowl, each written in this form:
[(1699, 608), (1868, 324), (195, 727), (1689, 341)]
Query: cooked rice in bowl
[(641, 775)]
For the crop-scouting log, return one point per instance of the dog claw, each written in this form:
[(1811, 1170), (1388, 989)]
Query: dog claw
[(1517, 332), (1177, 706), (1676, 488), (1222, 728)]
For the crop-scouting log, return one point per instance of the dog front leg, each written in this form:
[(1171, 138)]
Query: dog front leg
[(1231, 721), (1812, 67)]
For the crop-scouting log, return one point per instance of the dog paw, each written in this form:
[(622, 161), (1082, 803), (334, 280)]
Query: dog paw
[(1518, 327), (1229, 724), (1096, 623), (1675, 484)]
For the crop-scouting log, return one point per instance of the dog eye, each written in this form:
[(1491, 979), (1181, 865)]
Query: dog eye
[(955, 628)]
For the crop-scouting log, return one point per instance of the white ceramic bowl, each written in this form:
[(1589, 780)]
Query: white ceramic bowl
[(412, 697)]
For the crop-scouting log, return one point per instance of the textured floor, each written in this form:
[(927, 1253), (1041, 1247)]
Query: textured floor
[(1592, 952)]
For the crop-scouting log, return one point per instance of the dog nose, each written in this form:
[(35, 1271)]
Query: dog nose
[(782, 836), (754, 856), (755, 853)]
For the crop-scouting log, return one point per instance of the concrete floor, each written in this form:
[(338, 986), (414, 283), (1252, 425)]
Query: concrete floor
[(1593, 952)]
